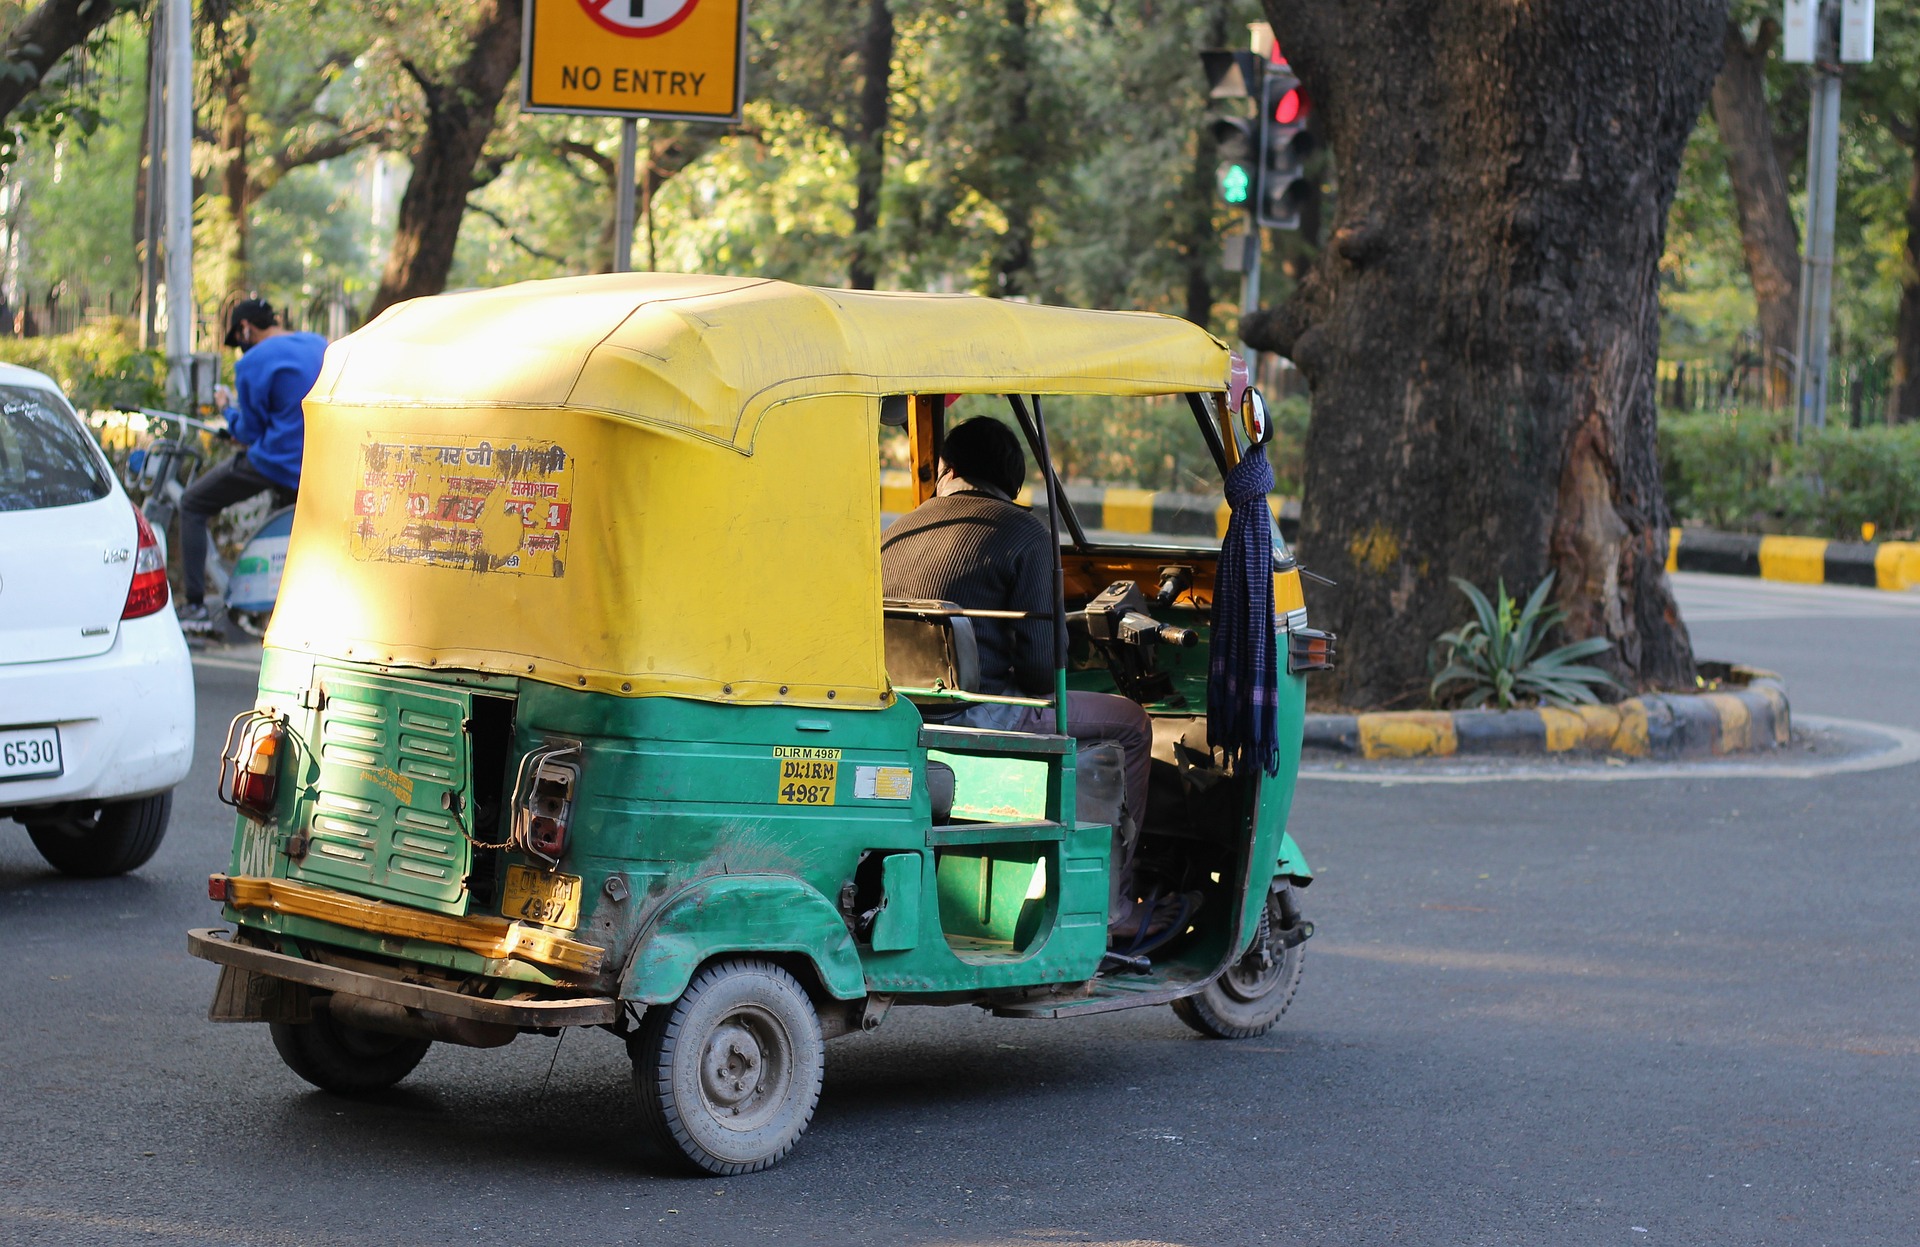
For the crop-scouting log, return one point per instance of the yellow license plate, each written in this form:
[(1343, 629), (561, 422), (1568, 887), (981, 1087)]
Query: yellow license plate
[(536, 896)]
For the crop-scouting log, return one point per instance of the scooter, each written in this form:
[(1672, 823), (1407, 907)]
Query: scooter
[(161, 472)]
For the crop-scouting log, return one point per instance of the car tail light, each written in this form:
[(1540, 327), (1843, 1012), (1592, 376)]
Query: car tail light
[(148, 592), (1309, 649), (543, 800), (250, 765)]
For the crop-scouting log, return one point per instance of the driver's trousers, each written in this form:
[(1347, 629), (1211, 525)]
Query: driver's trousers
[(1092, 718), (236, 480)]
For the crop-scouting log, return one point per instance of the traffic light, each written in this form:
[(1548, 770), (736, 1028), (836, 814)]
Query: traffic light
[(1284, 149), (1238, 141)]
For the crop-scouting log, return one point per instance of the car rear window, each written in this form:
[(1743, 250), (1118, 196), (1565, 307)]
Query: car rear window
[(45, 458)]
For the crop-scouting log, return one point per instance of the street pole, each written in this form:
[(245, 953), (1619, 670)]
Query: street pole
[(1816, 266), (623, 197), (179, 184), (153, 192)]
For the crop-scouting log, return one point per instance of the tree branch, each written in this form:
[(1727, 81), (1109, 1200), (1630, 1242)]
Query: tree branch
[(514, 237)]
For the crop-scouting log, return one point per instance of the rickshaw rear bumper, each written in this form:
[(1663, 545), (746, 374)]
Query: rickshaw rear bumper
[(216, 944)]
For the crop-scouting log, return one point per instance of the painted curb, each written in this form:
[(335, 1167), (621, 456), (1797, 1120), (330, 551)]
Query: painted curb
[(1796, 560), (1750, 715)]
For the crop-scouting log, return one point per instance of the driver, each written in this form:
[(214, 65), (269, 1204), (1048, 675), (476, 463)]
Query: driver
[(972, 545)]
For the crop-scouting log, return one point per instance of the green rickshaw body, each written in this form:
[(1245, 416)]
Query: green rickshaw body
[(576, 709)]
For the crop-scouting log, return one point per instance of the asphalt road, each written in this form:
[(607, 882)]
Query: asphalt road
[(1672, 1011)]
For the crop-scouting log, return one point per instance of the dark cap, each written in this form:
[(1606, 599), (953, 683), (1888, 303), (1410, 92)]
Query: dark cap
[(255, 312)]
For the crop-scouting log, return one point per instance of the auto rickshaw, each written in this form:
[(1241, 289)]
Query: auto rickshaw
[(582, 706)]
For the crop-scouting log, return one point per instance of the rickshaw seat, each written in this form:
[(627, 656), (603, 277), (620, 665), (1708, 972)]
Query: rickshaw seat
[(928, 646)]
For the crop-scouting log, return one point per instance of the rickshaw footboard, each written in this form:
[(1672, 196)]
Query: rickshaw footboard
[(216, 944)]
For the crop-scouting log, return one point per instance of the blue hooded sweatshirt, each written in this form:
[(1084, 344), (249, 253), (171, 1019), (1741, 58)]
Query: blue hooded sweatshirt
[(269, 381)]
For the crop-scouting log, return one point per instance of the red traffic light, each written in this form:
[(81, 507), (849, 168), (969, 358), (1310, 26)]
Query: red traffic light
[(1287, 109)]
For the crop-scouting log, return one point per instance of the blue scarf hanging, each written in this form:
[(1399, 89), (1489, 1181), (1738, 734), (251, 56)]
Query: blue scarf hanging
[(1243, 671)]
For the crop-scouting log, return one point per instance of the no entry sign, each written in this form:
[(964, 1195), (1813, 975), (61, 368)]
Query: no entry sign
[(678, 60)]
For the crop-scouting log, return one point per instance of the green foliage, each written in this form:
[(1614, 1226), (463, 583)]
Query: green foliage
[(1494, 657), (1719, 466), (97, 366), (1739, 470)]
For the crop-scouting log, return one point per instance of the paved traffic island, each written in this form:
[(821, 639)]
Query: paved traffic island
[(1744, 710)]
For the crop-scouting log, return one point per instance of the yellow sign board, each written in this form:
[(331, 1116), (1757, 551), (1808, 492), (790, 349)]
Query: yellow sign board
[(676, 60)]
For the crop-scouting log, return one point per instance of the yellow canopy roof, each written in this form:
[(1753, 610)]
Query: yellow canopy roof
[(709, 355)]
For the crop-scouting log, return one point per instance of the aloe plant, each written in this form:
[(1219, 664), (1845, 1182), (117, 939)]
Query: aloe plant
[(1493, 655)]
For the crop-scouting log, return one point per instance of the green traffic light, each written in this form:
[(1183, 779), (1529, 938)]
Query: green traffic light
[(1235, 183)]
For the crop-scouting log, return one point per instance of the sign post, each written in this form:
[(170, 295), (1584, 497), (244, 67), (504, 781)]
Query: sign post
[(1823, 33), (670, 60)]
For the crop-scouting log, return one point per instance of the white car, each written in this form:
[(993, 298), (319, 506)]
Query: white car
[(96, 685)]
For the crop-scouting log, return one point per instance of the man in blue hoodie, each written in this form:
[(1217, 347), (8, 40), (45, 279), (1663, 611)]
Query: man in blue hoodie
[(275, 370)]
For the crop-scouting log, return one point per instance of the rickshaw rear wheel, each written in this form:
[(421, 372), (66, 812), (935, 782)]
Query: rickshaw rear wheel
[(346, 1060), (1251, 994), (729, 1073)]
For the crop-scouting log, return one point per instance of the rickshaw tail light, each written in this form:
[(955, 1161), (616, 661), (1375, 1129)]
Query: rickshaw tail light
[(219, 888), (1309, 649), (547, 837), (253, 753)]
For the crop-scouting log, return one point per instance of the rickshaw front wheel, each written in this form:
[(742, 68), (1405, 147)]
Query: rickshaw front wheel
[(345, 1059), (729, 1073), (1250, 995)]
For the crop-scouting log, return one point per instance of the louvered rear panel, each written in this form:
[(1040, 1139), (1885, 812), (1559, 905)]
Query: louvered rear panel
[(381, 823)]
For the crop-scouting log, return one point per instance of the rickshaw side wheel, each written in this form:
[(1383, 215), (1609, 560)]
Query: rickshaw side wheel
[(729, 1073), (346, 1060), (1250, 995)]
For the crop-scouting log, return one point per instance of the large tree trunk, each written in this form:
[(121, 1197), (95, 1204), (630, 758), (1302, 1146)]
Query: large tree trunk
[(1767, 230), (1018, 192), (1199, 240), (234, 70), (460, 120), (1903, 400), (1481, 330), (36, 44), (869, 142)]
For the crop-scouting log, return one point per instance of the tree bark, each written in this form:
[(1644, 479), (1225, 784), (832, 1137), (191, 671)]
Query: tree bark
[(41, 38), (869, 142), (460, 120), (233, 69), (1199, 240), (1768, 234), (1480, 332), (1903, 399), (1017, 181)]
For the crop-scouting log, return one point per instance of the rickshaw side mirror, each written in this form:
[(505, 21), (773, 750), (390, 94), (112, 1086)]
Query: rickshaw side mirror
[(893, 411), (1255, 421)]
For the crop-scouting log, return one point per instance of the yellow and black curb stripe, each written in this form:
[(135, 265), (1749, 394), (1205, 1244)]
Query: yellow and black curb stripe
[(1750, 713), (1797, 560)]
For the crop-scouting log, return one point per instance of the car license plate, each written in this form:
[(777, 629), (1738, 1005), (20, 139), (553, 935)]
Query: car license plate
[(536, 896), (29, 752)]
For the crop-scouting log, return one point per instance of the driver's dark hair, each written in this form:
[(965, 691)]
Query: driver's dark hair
[(986, 452)]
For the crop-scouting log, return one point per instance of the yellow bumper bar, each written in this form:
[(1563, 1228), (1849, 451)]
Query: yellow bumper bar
[(496, 938)]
